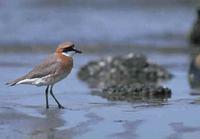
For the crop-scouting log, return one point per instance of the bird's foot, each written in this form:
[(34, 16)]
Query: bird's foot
[(60, 107), (47, 107)]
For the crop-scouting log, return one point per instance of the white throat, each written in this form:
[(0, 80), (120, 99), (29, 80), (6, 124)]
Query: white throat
[(69, 54)]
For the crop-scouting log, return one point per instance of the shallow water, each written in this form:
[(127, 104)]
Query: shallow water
[(153, 22), (23, 113)]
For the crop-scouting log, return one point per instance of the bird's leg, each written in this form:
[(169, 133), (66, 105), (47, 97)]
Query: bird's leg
[(51, 92), (46, 93)]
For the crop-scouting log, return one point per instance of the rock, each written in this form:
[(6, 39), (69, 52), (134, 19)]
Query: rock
[(194, 72), (195, 32), (128, 78), (130, 69), (135, 92)]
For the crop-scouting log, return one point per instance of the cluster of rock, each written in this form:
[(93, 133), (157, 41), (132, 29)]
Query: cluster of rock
[(194, 72), (126, 77), (135, 92)]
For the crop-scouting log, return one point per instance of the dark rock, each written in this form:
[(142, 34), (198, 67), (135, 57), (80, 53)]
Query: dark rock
[(135, 92), (128, 78), (194, 72), (195, 32), (130, 69)]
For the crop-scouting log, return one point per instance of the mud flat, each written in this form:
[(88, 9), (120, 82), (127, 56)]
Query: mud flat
[(23, 114)]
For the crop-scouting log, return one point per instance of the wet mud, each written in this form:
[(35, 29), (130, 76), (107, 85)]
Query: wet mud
[(23, 114)]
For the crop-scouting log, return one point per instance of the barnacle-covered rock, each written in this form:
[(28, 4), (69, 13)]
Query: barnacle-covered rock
[(135, 92), (128, 78), (133, 68)]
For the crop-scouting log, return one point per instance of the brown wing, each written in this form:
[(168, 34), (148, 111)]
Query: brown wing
[(49, 66)]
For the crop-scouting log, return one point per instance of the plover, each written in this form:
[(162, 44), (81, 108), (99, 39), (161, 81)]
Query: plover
[(55, 68)]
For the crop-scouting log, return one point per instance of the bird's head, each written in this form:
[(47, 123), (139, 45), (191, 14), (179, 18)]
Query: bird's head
[(67, 49)]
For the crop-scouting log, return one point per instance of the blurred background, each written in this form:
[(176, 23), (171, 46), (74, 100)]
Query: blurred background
[(107, 22), (159, 29)]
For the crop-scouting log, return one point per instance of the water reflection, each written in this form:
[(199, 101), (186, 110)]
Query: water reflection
[(180, 129), (15, 124), (49, 124), (54, 126)]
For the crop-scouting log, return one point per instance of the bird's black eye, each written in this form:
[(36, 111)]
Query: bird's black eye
[(68, 49)]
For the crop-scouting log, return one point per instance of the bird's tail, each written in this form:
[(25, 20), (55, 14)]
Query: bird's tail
[(14, 82)]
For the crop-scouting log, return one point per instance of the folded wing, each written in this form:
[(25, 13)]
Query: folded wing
[(48, 67)]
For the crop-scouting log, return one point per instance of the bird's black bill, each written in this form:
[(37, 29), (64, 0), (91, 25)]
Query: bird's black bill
[(71, 49), (77, 51)]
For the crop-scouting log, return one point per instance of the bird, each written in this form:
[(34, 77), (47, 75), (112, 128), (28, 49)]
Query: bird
[(53, 69)]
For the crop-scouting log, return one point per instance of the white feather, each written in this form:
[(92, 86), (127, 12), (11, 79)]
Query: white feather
[(69, 54), (34, 81), (28, 81), (46, 80)]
